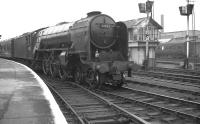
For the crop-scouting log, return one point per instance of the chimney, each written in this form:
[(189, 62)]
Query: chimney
[(93, 13), (162, 23)]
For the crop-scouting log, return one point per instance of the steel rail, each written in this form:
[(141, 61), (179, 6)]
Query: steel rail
[(170, 81), (133, 118), (164, 96), (65, 102), (130, 115), (197, 118), (183, 71), (177, 77), (162, 85)]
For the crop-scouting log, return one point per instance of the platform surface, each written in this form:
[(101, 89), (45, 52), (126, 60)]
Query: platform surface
[(24, 98)]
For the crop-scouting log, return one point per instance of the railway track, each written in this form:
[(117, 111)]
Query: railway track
[(189, 79), (143, 78), (122, 106), (180, 71), (71, 116), (166, 81), (81, 106), (155, 108), (164, 88)]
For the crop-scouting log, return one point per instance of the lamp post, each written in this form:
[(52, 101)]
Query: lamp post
[(146, 8), (187, 11)]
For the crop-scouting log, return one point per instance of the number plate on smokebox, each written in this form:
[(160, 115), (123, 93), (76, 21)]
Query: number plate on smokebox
[(117, 77)]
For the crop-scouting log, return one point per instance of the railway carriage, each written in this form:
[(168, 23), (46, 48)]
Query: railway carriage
[(20, 47), (92, 50), (6, 48)]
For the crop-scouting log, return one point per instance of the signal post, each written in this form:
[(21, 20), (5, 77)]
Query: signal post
[(146, 8), (187, 11)]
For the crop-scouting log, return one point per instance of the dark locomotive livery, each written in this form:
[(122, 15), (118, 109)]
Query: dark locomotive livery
[(92, 50)]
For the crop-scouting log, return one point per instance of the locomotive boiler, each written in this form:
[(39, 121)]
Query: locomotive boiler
[(92, 50)]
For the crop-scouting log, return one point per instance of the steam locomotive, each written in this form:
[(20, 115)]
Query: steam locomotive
[(92, 50)]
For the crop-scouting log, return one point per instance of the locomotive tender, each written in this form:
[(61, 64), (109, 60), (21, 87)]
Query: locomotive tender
[(92, 50)]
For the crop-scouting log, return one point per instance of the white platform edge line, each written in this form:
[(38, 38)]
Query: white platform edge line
[(58, 115)]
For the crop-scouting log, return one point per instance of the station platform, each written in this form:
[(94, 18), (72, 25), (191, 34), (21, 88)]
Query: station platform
[(24, 98)]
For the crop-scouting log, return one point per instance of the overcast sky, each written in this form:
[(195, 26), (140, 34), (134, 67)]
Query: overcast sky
[(20, 16)]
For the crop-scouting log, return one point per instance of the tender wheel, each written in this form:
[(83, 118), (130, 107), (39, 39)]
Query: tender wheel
[(93, 79), (78, 76), (54, 70), (46, 67)]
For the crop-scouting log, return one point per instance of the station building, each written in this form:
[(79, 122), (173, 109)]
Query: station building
[(139, 31)]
